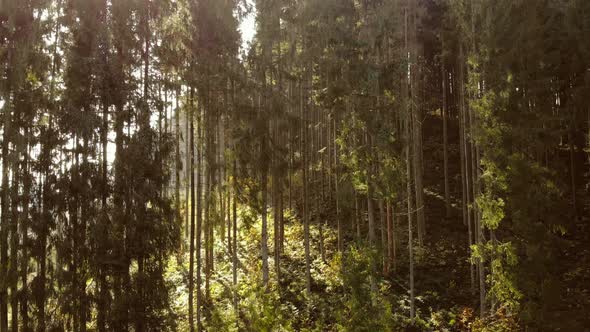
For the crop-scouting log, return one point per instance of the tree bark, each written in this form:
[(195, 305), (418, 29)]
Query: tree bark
[(235, 239), (192, 216), (200, 170), (305, 195), (445, 141), (466, 160), (383, 227), (408, 124)]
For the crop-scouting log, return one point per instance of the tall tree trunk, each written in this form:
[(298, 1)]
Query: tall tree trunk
[(102, 270), (235, 238), (410, 237), (119, 320), (192, 217), (416, 124), (177, 159), (383, 226), (410, 213), (371, 221), (187, 176), (337, 194), (42, 258), (390, 237), (408, 125), (305, 195), (445, 141), (263, 211), (466, 160), (475, 177), (208, 187), (357, 217), (24, 270), (14, 241), (264, 184), (84, 218), (275, 201), (200, 168), (5, 216)]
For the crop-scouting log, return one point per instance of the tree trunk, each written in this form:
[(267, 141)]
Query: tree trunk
[(263, 187), (357, 217), (390, 238), (264, 232), (305, 194), (102, 270), (5, 217), (14, 243), (416, 126), (410, 213), (275, 202), (465, 163), (371, 221), (408, 124), (187, 176), (337, 193), (383, 227), (25, 236), (445, 142), (200, 170), (235, 239), (192, 216), (177, 160)]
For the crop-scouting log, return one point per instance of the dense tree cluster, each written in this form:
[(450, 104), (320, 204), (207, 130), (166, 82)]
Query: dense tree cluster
[(318, 180)]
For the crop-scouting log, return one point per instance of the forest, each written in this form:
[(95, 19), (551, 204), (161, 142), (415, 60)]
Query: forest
[(353, 165)]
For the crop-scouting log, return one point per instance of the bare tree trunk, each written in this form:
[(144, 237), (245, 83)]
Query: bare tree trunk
[(416, 123), (305, 198), (475, 182), (263, 208), (410, 213), (409, 174), (199, 194), (357, 217), (371, 221), (264, 234), (191, 168), (445, 141), (42, 273), (177, 164), (102, 282), (383, 227), (337, 193), (208, 169), (235, 239), (370, 207), (466, 158), (24, 270), (5, 216), (391, 252), (276, 202), (14, 243)]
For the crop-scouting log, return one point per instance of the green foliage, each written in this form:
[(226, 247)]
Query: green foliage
[(363, 310), (264, 312), (491, 208)]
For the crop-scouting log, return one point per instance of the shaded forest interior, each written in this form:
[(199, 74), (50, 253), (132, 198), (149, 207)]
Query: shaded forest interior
[(362, 165)]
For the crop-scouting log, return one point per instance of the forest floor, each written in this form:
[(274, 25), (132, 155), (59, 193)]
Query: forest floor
[(442, 269)]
